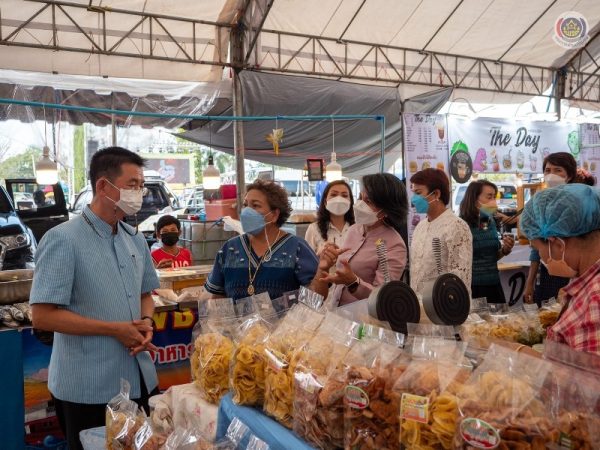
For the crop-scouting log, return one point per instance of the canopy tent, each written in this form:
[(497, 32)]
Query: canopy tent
[(172, 97), (356, 142), (484, 47)]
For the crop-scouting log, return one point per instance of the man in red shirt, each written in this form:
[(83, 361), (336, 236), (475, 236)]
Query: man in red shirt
[(168, 230)]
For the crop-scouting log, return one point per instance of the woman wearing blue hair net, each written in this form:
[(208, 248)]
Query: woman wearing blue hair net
[(563, 225)]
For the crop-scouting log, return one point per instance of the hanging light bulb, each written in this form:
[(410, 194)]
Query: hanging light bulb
[(333, 171), (211, 177), (46, 170)]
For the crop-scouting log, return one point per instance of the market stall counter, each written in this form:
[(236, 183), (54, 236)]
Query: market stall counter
[(275, 435)]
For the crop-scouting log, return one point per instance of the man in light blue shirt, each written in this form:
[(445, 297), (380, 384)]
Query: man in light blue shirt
[(92, 287)]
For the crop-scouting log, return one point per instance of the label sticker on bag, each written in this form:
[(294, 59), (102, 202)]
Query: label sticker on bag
[(479, 434), (414, 407), (356, 397)]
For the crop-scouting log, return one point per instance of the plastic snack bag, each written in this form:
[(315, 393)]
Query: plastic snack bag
[(213, 347), (365, 383), (248, 363), (500, 405), (427, 391), (123, 420), (316, 362), (282, 350), (148, 438)]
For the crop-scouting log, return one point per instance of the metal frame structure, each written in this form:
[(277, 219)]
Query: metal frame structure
[(175, 35), (171, 38)]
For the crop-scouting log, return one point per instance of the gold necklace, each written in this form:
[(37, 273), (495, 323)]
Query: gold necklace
[(251, 277)]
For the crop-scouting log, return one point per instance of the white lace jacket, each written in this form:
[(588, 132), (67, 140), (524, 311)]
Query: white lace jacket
[(456, 250)]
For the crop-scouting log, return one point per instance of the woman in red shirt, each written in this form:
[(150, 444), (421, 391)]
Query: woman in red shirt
[(168, 230)]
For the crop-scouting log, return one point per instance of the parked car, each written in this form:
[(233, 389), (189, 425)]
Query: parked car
[(27, 212), (158, 198)]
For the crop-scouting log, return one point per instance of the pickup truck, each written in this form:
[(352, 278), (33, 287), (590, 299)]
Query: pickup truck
[(27, 211)]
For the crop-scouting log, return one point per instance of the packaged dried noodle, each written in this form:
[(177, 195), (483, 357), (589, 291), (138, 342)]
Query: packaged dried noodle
[(313, 420), (248, 363), (213, 347), (282, 350)]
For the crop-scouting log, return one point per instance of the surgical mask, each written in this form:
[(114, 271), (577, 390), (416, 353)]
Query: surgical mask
[(169, 239), (253, 222), (338, 206), (420, 203), (559, 267), (553, 180), (130, 200), (488, 209), (363, 214)]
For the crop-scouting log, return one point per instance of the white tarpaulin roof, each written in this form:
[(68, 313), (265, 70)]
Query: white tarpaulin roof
[(514, 31)]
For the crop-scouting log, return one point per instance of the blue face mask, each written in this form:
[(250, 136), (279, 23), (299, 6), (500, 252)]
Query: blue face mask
[(253, 222), (420, 203)]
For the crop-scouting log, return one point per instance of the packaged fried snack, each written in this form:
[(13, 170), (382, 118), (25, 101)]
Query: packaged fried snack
[(123, 420), (248, 362), (366, 379), (148, 438), (501, 406), (427, 391), (549, 312), (213, 347), (313, 418), (282, 350)]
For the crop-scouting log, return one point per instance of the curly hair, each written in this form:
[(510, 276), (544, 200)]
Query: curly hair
[(323, 214), (276, 197)]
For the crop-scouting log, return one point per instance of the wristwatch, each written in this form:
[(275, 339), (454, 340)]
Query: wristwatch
[(150, 319), (352, 287)]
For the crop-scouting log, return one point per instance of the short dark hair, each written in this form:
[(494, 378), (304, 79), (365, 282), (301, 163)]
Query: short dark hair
[(323, 214), (564, 160), (388, 193), (276, 197), (107, 163), (469, 212), (434, 179), (165, 221)]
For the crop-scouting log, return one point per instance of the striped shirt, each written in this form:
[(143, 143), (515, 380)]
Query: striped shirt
[(84, 268)]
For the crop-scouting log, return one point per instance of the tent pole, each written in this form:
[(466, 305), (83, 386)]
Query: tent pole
[(382, 160), (238, 141), (113, 124)]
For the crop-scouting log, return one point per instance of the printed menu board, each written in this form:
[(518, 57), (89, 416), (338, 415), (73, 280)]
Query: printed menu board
[(590, 148), (425, 147)]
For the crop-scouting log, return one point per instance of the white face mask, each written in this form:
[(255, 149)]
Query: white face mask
[(130, 200), (363, 214), (338, 206), (553, 180)]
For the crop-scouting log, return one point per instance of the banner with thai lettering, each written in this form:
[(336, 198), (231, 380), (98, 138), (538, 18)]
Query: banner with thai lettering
[(425, 147), (509, 146), (173, 337), (590, 148)]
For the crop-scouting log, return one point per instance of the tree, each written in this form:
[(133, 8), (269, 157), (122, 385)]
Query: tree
[(21, 165)]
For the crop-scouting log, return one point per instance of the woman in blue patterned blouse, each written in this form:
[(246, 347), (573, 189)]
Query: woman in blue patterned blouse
[(265, 258)]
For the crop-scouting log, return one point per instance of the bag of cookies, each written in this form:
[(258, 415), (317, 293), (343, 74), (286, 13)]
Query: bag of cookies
[(313, 419), (363, 387), (282, 349), (123, 420), (427, 392), (213, 347)]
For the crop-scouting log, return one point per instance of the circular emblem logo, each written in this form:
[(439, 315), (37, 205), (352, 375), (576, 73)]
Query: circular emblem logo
[(571, 30), (479, 433), (356, 397)]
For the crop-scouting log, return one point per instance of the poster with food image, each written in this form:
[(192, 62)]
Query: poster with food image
[(509, 146), (425, 147), (590, 148)]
